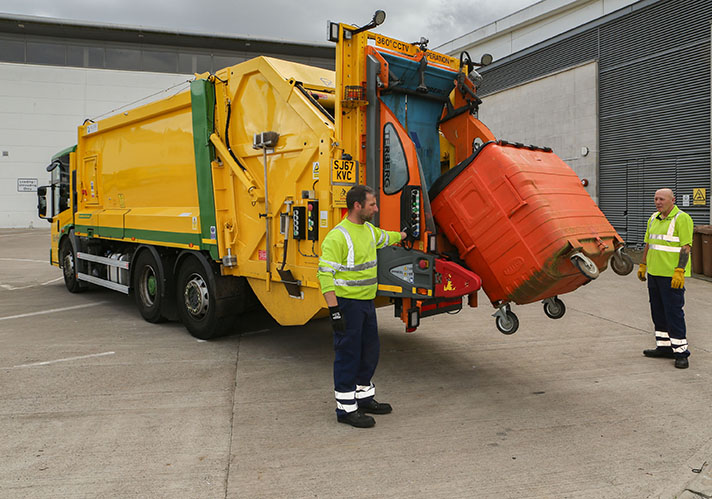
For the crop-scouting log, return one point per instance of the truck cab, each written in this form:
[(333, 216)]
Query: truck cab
[(55, 201)]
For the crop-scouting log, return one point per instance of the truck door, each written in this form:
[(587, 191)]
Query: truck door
[(59, 200), (401, 196)]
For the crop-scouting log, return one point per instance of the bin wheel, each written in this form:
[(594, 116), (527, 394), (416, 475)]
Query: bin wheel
[(66, 259), (554, 308), (585, 265), (148, 287), (508, 323), (621, 263)]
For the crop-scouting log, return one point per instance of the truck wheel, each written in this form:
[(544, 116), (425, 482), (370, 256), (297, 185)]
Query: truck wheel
[(66, 258), (198, 306), (148, 286)]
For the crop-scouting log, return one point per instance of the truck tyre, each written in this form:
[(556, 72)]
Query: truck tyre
[(198, 306), (66, 259), (148, 286)]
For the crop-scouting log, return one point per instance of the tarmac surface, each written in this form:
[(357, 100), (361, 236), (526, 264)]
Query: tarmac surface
[(98, 403)]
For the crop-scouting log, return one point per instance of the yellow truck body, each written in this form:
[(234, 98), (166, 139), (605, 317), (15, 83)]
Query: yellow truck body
[(200, 200)]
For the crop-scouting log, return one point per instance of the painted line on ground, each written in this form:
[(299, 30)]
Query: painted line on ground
[(51, 311), (68, 359), (51, 281), (10, 287), (24, 260), (25, 233)]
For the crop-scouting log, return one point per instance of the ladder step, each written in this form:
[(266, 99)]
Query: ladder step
[(102, 259), (103, 282)]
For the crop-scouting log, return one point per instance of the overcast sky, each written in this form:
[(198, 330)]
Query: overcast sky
[(305, 20)]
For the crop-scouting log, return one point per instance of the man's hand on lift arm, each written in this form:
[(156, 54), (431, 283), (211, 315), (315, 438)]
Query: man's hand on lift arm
[(678, 277)]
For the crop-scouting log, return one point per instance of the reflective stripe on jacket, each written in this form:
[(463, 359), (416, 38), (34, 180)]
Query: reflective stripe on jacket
[(665, 237), (348, 264)]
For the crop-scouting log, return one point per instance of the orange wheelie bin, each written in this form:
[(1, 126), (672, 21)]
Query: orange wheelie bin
[(521, 219)]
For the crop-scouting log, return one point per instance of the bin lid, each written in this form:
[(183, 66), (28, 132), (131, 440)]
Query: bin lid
[(703, 229), (443, 180)]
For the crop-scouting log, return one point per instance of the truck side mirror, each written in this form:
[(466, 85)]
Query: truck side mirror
[(42, 203)]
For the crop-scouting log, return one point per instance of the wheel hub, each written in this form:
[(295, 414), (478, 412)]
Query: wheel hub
[(197, 298), (148, 286)]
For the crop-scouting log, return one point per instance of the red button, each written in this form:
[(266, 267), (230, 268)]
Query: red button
[(423, 264)]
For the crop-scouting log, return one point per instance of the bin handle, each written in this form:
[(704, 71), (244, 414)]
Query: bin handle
[(462, 243), (522, 202)]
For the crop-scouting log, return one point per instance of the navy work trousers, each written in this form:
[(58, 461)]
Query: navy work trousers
[(356, 354), (666, 308)]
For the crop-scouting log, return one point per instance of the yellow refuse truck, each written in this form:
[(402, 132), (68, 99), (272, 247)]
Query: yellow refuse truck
[(203, 201)]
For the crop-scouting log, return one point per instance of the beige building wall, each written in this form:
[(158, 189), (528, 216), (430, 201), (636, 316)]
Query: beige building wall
[(40, 109), (559, 111)]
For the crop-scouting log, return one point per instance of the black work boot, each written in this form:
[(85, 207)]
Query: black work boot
[(659, 352), (357, 419), (682, 362), (374, 407)]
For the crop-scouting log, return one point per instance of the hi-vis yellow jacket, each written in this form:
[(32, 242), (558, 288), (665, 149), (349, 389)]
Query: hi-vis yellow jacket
[(348, 264), (665, 237)]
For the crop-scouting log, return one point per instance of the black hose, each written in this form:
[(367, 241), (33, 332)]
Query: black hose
[(284, 255), (227, 136), (314, 101)]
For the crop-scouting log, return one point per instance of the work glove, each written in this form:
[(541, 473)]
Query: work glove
[(337, 321), (642, 270), (678, 278)]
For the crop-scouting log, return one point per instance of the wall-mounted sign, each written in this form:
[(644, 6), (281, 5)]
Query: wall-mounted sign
[(699, 196), (26, 185)]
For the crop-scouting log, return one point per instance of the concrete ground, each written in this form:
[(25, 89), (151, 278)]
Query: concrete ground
[(98, 403)]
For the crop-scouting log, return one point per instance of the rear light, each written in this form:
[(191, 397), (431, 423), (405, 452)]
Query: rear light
[(413, 319), (432, 243)]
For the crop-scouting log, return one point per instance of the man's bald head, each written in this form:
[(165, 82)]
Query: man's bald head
[(667, 193), (664, 201)]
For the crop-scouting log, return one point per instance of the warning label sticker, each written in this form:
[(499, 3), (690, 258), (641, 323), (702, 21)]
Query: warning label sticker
[(699, 197), (411, 50), (339, 196), (344, 172)]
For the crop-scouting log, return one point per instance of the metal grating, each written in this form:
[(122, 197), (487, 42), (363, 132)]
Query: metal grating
[(550, 59)]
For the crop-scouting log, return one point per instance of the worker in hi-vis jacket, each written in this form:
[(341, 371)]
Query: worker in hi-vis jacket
[(666, 259), (348, 276)]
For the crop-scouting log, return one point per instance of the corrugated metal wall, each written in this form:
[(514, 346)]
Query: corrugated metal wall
[(654, 103)]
